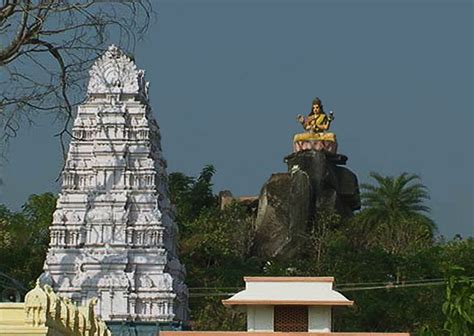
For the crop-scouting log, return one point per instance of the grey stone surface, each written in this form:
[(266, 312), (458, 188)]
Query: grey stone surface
[(272, 222), (290, 201)]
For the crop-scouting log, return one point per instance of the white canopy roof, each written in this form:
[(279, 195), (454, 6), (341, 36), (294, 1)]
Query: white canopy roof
[(310, 291)]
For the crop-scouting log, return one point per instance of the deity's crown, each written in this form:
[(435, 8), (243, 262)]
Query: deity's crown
[(115, 72), (317, 101)]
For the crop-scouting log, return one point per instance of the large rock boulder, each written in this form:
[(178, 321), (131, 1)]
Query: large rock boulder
[(289, 202)]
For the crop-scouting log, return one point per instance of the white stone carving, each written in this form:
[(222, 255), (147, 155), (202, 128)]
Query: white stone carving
[(113, 233), (115, 72)]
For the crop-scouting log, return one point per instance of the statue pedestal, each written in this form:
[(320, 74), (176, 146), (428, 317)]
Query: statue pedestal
[(325, 142)]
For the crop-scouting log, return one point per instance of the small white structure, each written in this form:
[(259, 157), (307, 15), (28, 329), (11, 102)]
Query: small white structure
[(288, 304)]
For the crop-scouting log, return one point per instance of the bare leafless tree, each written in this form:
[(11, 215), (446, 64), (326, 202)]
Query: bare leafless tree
[(46, 48)]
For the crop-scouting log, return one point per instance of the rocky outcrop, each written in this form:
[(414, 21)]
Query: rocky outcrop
[(225, 198), (289, 201)]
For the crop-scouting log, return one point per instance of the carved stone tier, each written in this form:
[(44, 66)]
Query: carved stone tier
[(113, 234), (318, 141)]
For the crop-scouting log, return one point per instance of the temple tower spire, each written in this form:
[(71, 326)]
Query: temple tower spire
[(113, 234)]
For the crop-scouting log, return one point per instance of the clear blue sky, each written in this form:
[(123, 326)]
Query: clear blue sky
[(228, 78)]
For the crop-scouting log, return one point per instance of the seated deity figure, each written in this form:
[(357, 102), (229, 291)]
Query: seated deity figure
[(316, 124), (317, 120)]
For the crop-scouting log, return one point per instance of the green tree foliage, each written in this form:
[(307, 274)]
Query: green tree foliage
[(12, 236), (383, 294), (387, 252), (459, 305), (214, 246), (208, 313), (191, 195), (395, 197), (323, 235), (24, 238), (215, 240), (394, 215)]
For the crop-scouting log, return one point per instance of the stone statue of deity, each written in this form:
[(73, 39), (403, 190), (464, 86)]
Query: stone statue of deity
[(316, 125), (317, 120)]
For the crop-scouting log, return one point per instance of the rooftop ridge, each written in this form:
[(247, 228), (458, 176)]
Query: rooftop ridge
[(287, 279)]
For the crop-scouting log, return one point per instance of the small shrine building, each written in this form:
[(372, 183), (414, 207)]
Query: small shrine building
[(286, 306)]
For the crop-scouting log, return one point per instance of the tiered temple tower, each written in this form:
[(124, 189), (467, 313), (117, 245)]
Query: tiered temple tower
[(113, 235)]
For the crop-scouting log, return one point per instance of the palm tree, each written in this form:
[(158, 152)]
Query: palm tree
[(393, 197), (395, 212)]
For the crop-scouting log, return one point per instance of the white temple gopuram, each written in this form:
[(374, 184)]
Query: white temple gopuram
[(113, 235)]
